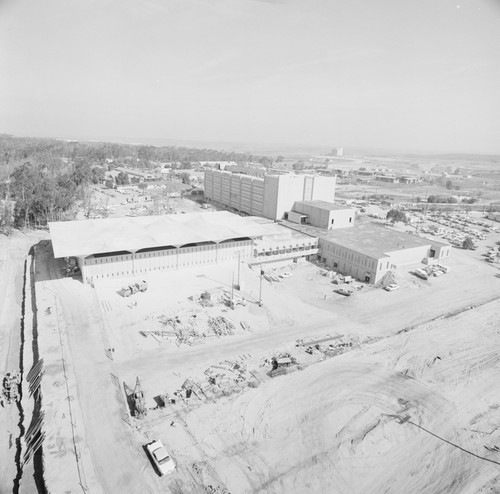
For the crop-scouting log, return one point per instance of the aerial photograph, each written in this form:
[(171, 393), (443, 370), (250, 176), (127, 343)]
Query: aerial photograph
[(250, 246)]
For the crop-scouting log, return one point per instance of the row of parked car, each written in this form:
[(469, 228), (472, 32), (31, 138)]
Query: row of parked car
[(431, 270)]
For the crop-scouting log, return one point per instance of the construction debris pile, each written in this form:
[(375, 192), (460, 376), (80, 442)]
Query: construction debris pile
[(10, 387), (220, 326), (226, 378)]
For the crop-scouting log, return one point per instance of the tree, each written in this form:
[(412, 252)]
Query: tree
[(109, 183), (122, 179), (468, 243), (449, 184), (395, 215), (185, 177), (97, 174)]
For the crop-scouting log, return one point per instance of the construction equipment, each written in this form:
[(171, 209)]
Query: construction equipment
[(133, 288), (125, 291), (142, 285), (140, 409), (10, 387)]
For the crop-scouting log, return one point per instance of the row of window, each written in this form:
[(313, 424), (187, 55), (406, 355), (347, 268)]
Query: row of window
[(161, 253), (350, 256)]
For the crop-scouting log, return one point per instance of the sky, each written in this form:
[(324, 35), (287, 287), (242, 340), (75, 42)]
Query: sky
[(402, 75)]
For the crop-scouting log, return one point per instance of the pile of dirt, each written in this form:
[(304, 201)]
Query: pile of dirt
[(389, 278)]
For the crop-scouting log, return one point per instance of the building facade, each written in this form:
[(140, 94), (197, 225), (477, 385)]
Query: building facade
[(369, 252), (322, 214)]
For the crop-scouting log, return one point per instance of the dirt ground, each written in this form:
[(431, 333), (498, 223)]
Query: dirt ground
[(404, 400), (402, 406), (13, 251)]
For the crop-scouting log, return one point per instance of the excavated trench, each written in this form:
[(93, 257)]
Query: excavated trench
[(19, 402), (38, 456), (37, 405)]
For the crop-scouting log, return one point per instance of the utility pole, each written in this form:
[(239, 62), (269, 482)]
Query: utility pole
[(260, 287), (239, 262), (232, 293)]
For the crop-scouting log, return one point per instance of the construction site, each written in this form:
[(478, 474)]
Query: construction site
[(254, 380)]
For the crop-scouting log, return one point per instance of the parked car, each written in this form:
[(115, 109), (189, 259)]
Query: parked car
[(160, 457), (391, 287), (421, 274), (343, 291)]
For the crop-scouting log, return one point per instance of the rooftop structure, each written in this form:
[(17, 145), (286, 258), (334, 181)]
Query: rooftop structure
[(322, 214), (83, 238)]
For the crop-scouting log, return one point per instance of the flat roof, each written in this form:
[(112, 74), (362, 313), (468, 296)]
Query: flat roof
[(369, 239), (86, 237), (276, 231), (329, 206)]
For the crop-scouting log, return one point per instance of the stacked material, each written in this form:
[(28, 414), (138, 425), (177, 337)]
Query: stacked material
[(220, 326)]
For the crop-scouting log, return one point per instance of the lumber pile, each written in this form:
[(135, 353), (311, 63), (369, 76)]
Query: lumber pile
[(220, 326)]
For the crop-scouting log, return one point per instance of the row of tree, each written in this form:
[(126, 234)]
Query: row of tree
[(45, 178)]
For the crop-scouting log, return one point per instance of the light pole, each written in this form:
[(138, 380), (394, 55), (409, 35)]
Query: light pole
[(260, 287), (239, 262)]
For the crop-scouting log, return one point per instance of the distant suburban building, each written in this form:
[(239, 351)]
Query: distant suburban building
[(143, 176), (388, 178), (269, 196), (408, 180), (337, 152)]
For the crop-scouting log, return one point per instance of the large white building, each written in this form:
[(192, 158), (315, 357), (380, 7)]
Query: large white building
[(135, 246), (269, 196)]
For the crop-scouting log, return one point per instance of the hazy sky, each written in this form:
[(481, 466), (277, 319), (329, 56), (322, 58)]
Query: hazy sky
[(420, 75)]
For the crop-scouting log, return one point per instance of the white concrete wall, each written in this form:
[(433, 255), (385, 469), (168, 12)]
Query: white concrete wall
[(342, 218), (156, 261), (404, 257), (241, 192), (350, 262), (324, 189)]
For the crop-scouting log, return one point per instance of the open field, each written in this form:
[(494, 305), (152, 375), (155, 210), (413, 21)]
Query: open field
[(360, 418)]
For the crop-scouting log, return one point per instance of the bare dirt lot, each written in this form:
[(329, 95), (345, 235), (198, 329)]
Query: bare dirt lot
[(401, 395)]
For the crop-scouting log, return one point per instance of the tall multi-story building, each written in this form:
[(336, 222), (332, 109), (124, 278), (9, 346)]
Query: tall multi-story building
[(269, 196)]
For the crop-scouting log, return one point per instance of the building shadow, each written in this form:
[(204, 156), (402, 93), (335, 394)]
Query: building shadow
[(46, 267)]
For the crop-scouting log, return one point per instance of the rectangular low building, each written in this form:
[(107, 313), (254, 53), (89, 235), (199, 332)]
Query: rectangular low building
[(367, 251), (322, 214), (121, 247)]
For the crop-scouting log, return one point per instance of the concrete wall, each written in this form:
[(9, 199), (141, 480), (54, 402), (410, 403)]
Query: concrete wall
[(350, 262), (241, 192), (404, 257), (141, 263), (441, 251), (323, 189), (326, 218), (342, 218)]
